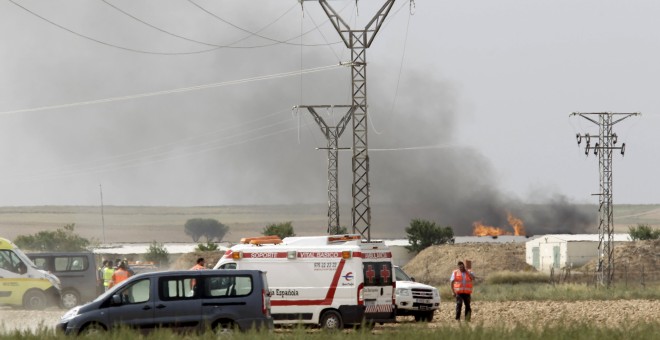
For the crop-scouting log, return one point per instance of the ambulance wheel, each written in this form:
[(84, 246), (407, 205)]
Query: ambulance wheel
[(70, 299), (331, 320), (35, 300)]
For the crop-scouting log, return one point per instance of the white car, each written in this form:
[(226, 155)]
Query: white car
[(414, 298)]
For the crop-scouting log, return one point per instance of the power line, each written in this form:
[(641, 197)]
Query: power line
[(179, 90), (204, 147), (135, 50), (276, 41), (106, 43), (230, 45)]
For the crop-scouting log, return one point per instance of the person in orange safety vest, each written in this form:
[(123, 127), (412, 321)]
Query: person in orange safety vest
[(461, 287), (119, 275)]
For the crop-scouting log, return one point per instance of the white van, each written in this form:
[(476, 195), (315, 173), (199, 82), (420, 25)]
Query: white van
[(331, 281), (21, 283)]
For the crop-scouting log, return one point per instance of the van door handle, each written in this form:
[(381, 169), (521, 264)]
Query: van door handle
[(146, 307), (381, 291), (161, 306)]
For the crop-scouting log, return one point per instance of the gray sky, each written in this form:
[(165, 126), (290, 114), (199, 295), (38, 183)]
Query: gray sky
[(469, 102)]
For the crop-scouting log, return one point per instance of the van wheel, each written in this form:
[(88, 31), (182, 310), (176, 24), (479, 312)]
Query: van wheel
[(331, 320), (92, 329), (70, 299), (224, 327), (424, 316), (35, 300)]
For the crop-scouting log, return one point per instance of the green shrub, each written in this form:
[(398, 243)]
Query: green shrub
[(62, 239), (643, 232), (157, 254), (282, 230), (207, 247), (423, 234)]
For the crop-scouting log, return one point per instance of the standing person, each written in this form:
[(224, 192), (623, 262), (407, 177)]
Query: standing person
[(107, 274), (119, 275), (461, 287), (200, 264)]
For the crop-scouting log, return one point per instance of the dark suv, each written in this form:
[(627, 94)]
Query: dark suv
[(199, 300)]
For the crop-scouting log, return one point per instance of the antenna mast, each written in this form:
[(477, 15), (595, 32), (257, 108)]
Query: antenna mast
[(358, 40), (332, 135), (603, 148)]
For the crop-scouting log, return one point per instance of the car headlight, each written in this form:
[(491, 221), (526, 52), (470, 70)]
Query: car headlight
[(53, 280), (403, 291), (436, 293), (72, 313)]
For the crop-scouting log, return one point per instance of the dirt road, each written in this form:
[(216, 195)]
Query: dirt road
[(489, 314)]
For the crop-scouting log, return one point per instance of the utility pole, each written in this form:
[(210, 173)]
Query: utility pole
[(606, 143), (332, 135), (102, 215), (358, 40)]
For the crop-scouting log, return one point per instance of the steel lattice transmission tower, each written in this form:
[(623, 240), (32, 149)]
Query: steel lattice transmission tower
[(358, 40), (332, 134), (606, 143)]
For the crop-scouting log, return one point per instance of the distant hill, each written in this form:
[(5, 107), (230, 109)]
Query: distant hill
[(165, 224)]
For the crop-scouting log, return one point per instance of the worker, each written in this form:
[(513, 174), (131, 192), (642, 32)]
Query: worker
[(461, 287), (119, 275), (199, 265), (107, 274)]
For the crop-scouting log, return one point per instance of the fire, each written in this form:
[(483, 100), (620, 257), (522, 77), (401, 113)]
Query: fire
[(484, 230)]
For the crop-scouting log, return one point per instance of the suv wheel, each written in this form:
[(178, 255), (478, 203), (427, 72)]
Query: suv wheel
[(424, 316)]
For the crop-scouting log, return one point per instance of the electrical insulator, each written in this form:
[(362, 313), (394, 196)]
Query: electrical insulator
[(623, 148), (579, 138), (614, 138)]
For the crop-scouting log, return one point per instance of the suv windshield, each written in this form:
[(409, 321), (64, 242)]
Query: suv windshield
[(401, 275)]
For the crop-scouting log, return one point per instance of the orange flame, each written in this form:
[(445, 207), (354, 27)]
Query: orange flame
[(484, 230)]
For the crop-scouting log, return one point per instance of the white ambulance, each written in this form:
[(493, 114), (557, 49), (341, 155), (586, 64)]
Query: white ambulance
[(331, 281), (22, 283)]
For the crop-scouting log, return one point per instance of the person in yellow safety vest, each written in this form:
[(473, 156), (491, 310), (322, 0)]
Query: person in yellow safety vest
[(107, 274), (461, 287), (119, 275)]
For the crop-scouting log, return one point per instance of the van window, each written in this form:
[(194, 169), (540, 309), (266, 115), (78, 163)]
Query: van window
[(11, 262), (377, 273), (71, 263), (230, 265), (227, 286), (137, 292), (176, 288)]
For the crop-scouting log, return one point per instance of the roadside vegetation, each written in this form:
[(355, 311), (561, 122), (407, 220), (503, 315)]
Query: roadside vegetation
[(578, 330)]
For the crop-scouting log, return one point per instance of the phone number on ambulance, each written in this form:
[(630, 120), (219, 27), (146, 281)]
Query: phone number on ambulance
[(325, 265)]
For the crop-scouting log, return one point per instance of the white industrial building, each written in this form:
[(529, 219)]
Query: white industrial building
[(559, 251)]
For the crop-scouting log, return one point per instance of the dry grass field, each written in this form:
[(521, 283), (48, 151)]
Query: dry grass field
[(165, 224)]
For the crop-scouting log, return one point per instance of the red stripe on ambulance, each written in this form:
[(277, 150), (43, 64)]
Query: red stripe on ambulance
[(328, 297)]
